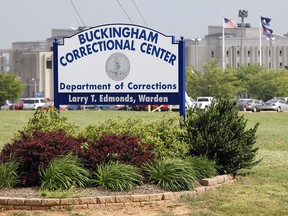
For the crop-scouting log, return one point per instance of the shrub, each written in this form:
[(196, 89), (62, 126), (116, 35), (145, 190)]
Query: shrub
[(49, 120), (204, 168), (63, 173), (117, 176), (166, 136), (220, 134), (8, 174), (122, 148), (36, 152), (171, 174)]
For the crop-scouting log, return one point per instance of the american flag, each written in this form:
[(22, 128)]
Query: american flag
[(228, 23)]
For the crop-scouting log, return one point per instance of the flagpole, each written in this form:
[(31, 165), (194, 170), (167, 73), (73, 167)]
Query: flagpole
[(260, 40), (223, 45)]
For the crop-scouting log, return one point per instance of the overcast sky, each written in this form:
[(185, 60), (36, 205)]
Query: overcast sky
[(32, 20)]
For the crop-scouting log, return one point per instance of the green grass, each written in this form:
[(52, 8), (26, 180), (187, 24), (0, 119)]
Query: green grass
[(260, 191)]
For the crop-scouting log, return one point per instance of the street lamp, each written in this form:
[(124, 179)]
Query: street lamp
[(35, 86), (196, 40), (242, 14)]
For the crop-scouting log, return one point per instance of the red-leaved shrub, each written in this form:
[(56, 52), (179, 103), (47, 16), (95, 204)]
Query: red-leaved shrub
[(123, 148), (36, 152)]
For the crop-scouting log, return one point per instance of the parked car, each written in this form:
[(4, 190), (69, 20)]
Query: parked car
[(203, 102), (74, 107), (253, 105), (18, 105), (50, 104), (177, 107), (144, 107), (275, 105), (33, 103), (6, 105), (104, 107)]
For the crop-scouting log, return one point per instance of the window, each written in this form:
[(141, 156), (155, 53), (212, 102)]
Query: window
[(238, 53), (48, 64), (212, 54), (248, 53), (280, 64), (280, 52), (227, 53)]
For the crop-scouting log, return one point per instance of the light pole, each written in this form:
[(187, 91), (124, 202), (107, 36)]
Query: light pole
[(35, 86), (196, 41), (242, 14), (271, 42)]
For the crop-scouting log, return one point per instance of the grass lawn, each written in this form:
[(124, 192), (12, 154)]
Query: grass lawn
[(260, 191)]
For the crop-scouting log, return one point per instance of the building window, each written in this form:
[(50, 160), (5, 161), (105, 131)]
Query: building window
[(248, 64), (269, 53), (227, 53), (212, 54), (280, 52), (48, 64), (259, 54), (248, 53), (238, 53), (280, 64)]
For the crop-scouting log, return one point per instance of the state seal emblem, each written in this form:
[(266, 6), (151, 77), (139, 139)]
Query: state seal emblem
[(117, 66)]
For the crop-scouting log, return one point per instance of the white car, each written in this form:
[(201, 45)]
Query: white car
[(204, 102), (189, 104), (33, 103)]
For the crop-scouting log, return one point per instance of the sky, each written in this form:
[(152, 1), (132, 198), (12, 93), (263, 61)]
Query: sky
[(32, 20)]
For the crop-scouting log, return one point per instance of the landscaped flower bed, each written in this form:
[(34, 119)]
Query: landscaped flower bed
[(123, 154)]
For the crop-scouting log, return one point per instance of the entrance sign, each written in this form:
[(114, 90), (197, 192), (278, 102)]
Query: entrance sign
[(119, 64)]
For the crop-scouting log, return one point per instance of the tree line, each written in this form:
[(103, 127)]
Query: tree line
[(251, 81)]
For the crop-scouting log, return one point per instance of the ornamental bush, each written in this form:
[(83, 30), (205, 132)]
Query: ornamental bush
[(204, 168), (63, 173), (48, 120), (112, 147), (220, 134), (8, 174), (117, 176), (165, 135), (35, 152), (171, 174)]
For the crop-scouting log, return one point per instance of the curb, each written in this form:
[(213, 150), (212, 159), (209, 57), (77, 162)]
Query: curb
[(8, 203)]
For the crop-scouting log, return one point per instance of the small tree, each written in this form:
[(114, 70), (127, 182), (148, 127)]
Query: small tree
[(11, 88), (220, 134)]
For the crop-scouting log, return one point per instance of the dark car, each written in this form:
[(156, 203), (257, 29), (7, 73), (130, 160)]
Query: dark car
[(16, 106), (253, 105)]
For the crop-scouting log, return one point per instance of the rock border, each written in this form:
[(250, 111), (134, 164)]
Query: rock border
[(8, 203)]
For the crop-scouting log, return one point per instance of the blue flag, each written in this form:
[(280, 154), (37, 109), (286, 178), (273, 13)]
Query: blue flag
[(265, 21)]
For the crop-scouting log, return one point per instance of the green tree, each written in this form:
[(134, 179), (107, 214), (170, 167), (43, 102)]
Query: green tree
[(11, 88), (212, 82), (262, 83)]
